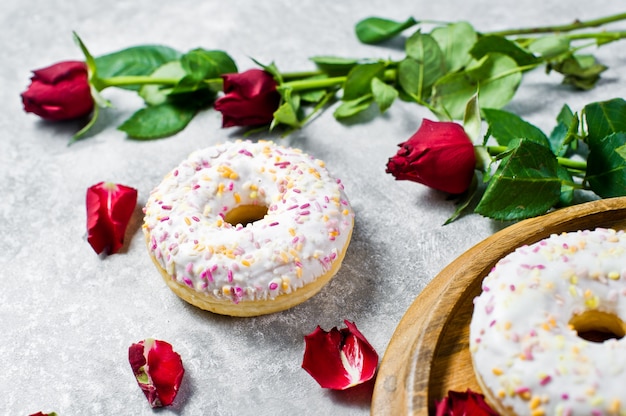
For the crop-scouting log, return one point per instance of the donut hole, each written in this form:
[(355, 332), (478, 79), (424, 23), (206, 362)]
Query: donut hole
[(597, 326), (245, 214)]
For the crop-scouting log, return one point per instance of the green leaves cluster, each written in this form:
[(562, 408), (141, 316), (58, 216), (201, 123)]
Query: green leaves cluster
[(532, 172), (444, 68), (173, 85)]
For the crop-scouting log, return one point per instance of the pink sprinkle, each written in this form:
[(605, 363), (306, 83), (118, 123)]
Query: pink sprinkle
[(231, 186), (196, 219), (295, 240), (303, 206), (512, 287), (492, 323), (305, 212), (188, 281), (545, 380), (230, 275), (489, 309), (196, 186), (245, 152), (168, 207), (292, 207), (189, 268), (165, 219), (273, 286), (522, 390), (176, 172), (296, 190), (565, 396), (333, 256), (273, 224)]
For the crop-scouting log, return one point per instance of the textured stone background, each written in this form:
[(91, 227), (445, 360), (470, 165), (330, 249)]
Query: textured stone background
[(68, 316)]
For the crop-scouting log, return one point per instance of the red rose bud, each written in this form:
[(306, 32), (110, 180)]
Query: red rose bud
[(250, 99), (43, 414), (339, 359), (109, 208), (439, 155), (59, 92), (464, 404), (158, 370)]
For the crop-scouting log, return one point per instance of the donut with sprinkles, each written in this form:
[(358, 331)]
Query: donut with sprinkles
[(248, 228), (546, 336)]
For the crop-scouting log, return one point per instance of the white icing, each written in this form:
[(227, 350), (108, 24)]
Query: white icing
[(307, 224), (521, 343)]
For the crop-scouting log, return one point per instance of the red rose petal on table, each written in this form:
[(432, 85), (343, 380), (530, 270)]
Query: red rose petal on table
[(339, 359), (468, 403), (109, 209), (158, 369)]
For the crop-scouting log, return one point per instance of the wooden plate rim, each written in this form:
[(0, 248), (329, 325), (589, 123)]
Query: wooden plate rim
[(403, 378)]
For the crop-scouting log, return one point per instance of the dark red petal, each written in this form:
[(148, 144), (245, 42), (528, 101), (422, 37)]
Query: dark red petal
[(165, 368), (109, 209), (56, 72), (322, 359), (339, 359), (468, 403)]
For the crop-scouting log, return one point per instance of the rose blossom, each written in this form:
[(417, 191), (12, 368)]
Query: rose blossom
[(158, 370), (109, 208), (464, 404), (59, 92), (339, 359), (439, 155), (250, 98)]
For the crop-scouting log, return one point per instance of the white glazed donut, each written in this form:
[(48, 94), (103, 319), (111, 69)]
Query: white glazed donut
[(247, 228), (526, 335)]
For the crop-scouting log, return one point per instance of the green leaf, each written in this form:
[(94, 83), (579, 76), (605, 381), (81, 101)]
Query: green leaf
[(565, 134), (580, 71), (156, 94), (353, 107), (375, 29), (495, 77), (606, 166), (334, 66), (203, 64), (567, 186), (506, 127), (288, 111), (358, 82), (498, 44), (137, 60), (158, 121), (605, 117), (427, 63), (384, 94), (455, 41), (549, 46), (526, 184), (472, 120)]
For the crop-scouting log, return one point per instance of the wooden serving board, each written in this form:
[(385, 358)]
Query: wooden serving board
[(428, 354)]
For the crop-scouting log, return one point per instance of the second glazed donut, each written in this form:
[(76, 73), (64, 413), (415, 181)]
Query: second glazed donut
[(247, 228)]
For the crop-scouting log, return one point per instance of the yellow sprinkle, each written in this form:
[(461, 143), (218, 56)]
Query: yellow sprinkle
[(574, 279), (253, 187), (285, 284), (187, 221), (237, 198), (220, 189), (284, 257), (253, 195), (292, 231), (538, 412), (293, 252), (593, 302), (615, 406), (507, 325), (325, 218), (245, 263), (233, 176), (501, 394), (525, 395), (573, 249), (299, 272), (226, 290), (535, 402), (497, 371), (346, 211), (613, 275), (219, 222)]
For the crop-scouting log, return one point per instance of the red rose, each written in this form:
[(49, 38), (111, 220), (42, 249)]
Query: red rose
[(59, 92), (109, 208), (339, 359), (439, 155), (250, 99), (464, 404), (158, 370)]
